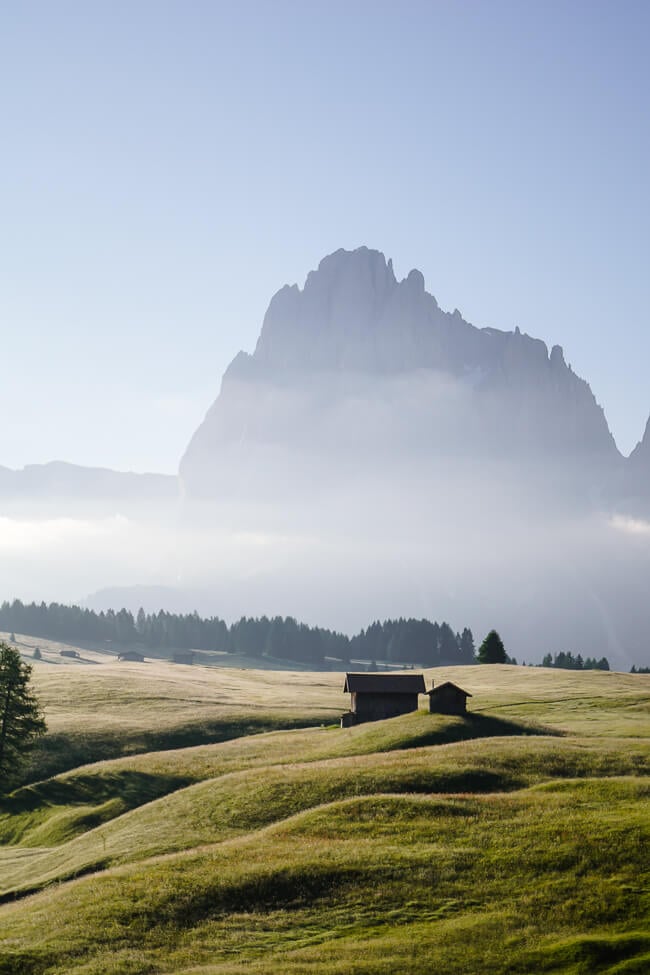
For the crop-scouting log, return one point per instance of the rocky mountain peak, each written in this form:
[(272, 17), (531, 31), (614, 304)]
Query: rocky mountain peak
[(318, 326), (640, 456), (356, 341), (353, 314)]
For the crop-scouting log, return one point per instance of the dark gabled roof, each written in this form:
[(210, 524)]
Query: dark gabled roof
[(448, 683), (384, 684)]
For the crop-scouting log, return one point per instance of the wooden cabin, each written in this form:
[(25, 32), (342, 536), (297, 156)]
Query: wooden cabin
[(132, 655), (183, 657), (378, 696), (448, 698)]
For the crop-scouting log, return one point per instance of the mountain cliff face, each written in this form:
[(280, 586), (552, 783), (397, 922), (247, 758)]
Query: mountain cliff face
[(636, 481), (640, 456), (358, 360)]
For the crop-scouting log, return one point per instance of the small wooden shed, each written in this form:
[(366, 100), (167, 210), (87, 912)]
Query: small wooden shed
[(448, 698), (132, 655), (378, 696), (183, 657)]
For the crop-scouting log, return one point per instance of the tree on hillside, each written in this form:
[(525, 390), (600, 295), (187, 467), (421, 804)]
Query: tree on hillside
[(21, 721), (447, 644), (565, 660), (466, 647), (141, 624), (492, 650)]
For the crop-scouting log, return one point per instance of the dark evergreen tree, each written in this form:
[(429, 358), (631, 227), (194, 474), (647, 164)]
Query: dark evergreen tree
[(21, 721), (492, 650), (276, 643), (125, 631), (447, 645), (141, 625), (467, 648)]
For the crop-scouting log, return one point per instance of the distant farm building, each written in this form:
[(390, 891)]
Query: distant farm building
[(378, 696), (68, 653), (448, 698), (132, 655), (183, 657)]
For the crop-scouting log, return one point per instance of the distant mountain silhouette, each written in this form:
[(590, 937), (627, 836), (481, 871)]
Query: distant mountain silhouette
[(359, 363), (60, 483)]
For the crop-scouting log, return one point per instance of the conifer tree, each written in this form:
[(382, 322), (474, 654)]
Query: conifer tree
[(492, 650), (467, 649), (21, 721)]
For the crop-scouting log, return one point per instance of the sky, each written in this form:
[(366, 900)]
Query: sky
[(165, 167)]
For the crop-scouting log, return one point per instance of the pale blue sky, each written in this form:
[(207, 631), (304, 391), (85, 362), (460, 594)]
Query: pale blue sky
[(166, 166)]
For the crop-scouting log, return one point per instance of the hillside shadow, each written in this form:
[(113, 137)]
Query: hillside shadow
[(132, 788), (629, 953), (489, 726), (61, 752), (474, 725)]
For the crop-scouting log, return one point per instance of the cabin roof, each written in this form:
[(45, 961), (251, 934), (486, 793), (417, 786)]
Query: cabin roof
[(447, 684), (384, 684)]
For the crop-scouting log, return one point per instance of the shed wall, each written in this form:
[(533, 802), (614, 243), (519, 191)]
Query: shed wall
[(448, 701), (375, 707)]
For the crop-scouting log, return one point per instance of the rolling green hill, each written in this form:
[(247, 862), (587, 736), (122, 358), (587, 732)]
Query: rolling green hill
[(512, 841)]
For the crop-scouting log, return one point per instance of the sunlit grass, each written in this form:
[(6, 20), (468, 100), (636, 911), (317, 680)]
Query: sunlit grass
[(240, 802), (513, 841), (113, 709), (371, 871)]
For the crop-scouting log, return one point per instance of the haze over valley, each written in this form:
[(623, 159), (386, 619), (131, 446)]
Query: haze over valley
[(375, 456)]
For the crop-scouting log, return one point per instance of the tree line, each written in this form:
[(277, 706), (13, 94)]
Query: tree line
[(399, 641), (402, 641), (565, 660)]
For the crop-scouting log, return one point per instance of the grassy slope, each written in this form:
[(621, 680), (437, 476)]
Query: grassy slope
[(105, 711), (102, 712), (377, 849)]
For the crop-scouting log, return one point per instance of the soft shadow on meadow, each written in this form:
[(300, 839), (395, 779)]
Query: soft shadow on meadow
[(373, 849)]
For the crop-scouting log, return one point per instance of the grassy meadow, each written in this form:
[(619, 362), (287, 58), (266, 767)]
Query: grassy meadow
[(212, 820)]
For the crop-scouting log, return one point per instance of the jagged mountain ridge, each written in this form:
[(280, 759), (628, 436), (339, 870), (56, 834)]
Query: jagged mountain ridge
[(355, 326)]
